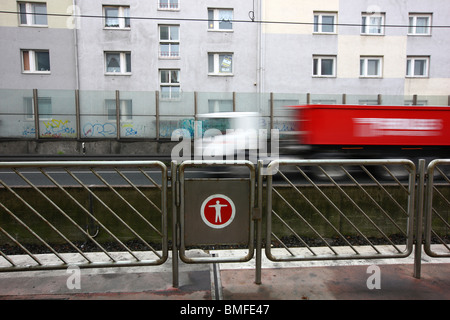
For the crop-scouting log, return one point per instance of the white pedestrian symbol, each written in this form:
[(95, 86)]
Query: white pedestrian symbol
[(218, 208), (221, 201)]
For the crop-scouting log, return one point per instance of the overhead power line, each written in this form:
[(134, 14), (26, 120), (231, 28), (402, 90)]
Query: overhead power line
[(252, 20)]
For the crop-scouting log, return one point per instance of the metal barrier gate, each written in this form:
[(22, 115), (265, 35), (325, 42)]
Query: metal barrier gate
[(437, 209), (211, 212), (85, 213), (340, 209)]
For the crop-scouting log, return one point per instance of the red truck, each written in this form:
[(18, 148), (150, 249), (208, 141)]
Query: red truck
[(373, 131)]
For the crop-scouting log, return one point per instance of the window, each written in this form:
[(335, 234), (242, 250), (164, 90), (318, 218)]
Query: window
[(416, 102), (220, 63), (417, 66), (323, 101), (170, 84), (118, 62), (44, 106), (325, 22), (125, 109), (116, 17), (372, 23), (324, 66), (35, 61), (169, 4), (169, 41), (215, 105), (33, 14), (370, 67), (419, 24), (220, 19), (368, 102)]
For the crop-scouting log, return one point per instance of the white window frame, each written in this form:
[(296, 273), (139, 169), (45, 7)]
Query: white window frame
[(32, 61), (367, 25), (29, 108), (29, 15), (412, 25), (410, 66), (170, 42), (218, 71), (364, 68), (319, 73), (122, 63), (418, 103), (323, 101), (318, 22), (220, 105), (125, 109), (170, 85), (170, 5), (122, 16), (214, 23)]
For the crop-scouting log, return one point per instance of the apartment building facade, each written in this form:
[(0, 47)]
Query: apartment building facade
[(356, 47), (169, 46), (335, 46), (37, 49), (119, 68)]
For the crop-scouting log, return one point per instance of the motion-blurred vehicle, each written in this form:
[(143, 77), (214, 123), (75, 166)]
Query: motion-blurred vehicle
[(227, 135), (356, 131)]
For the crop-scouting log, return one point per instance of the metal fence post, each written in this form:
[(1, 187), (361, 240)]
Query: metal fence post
[(419, 217), (36, 113), (173, 184), (157, 113), (118, 114), (259, 224), (78, 113)]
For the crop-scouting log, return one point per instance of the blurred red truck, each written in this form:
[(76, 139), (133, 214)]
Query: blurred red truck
[(394, 131)]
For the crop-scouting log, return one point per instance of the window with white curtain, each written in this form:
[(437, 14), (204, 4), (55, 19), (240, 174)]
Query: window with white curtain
[(32, 14), (118, 62), (372, 23), (220, 19), (169, 4), (117, 17), (417, 66), (35, 61), (371, 67), (419, 24), (324, 66), (169, 41), (325, 22), (170, 83)]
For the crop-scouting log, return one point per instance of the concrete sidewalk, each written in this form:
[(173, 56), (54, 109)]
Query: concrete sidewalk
[(332, 280)]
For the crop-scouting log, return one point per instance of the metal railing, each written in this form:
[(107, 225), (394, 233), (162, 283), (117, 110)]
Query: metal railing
[(110, 214), (88, 214), (437, 209), (340, 209)]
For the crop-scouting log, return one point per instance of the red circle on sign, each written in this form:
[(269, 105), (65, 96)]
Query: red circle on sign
[(217, 211)]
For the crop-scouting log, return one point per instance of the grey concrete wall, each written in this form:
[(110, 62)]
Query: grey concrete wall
[(59, 42), (92, 148)]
